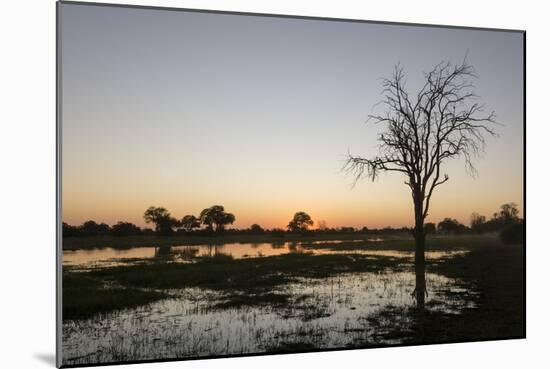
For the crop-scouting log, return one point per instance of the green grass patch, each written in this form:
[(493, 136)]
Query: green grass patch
[(222, 273), (496, 271), (243, 281), (84, 297)]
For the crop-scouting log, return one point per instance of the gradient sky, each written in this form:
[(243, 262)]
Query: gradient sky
[(187, 110)]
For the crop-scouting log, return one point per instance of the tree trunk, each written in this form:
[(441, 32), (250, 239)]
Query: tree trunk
[(419, 259)]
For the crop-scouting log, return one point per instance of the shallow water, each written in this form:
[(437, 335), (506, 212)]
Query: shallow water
[(347, 310), (107, 257), (321, 313)]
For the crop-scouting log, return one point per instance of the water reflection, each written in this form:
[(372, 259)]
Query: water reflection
[(106, 257), (163, 251), (344, 310), (349, 309)]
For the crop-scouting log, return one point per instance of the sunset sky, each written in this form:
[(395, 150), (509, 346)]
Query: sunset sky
[(188, 110)]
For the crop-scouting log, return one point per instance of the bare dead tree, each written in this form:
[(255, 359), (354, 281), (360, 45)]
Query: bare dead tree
[(441, 122)]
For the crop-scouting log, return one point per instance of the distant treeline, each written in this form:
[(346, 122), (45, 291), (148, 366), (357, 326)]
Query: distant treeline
[(506, 222), (214, 220)]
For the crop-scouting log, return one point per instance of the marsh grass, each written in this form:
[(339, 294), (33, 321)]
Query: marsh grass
[(487, 286), (84, 297), (497, 273), (247, 275), (234, 300), (251, 281), (244, 281)]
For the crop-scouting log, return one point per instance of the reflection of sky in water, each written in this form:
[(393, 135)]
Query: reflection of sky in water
[(105, 257), (324, 313)]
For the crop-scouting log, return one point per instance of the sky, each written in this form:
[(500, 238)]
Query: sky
[(187, 110)]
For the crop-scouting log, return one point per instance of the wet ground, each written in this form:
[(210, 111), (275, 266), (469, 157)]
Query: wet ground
[(347, 310)]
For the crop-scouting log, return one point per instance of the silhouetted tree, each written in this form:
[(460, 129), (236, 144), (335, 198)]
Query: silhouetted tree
[(322, 225), (147, 231), (68, 230), (256, 229), (424, 130), (513, 233), (509, 213), (103, 229), (216, 216), (300, 222), (347, 229), (477, 222), (91, 228), (122, 229), (161, 218), (429, 228), (506, 216), (277, 232), (451, 226), (190, 222), (163, 251)]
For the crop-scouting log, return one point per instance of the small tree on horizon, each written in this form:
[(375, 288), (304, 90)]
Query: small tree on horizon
[(92, 228), (509, 213), (477, 222), (161, 218), (429, 228), (190, 222), (122, 229), (300, 222), (256, 229), (424, 130), (216, 216), (451, 226)]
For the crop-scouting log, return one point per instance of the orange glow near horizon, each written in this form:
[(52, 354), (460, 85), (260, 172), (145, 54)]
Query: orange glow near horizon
[(375, 205), (261, 119)]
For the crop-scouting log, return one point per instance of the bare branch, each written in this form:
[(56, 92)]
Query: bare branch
[(442, 121), (370, 168)]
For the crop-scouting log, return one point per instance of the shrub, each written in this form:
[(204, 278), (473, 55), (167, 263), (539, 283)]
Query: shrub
[(513, 233)]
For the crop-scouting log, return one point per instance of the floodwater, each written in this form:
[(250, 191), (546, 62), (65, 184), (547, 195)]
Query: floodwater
[(104, 257), (348, 310), (107, 257)]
